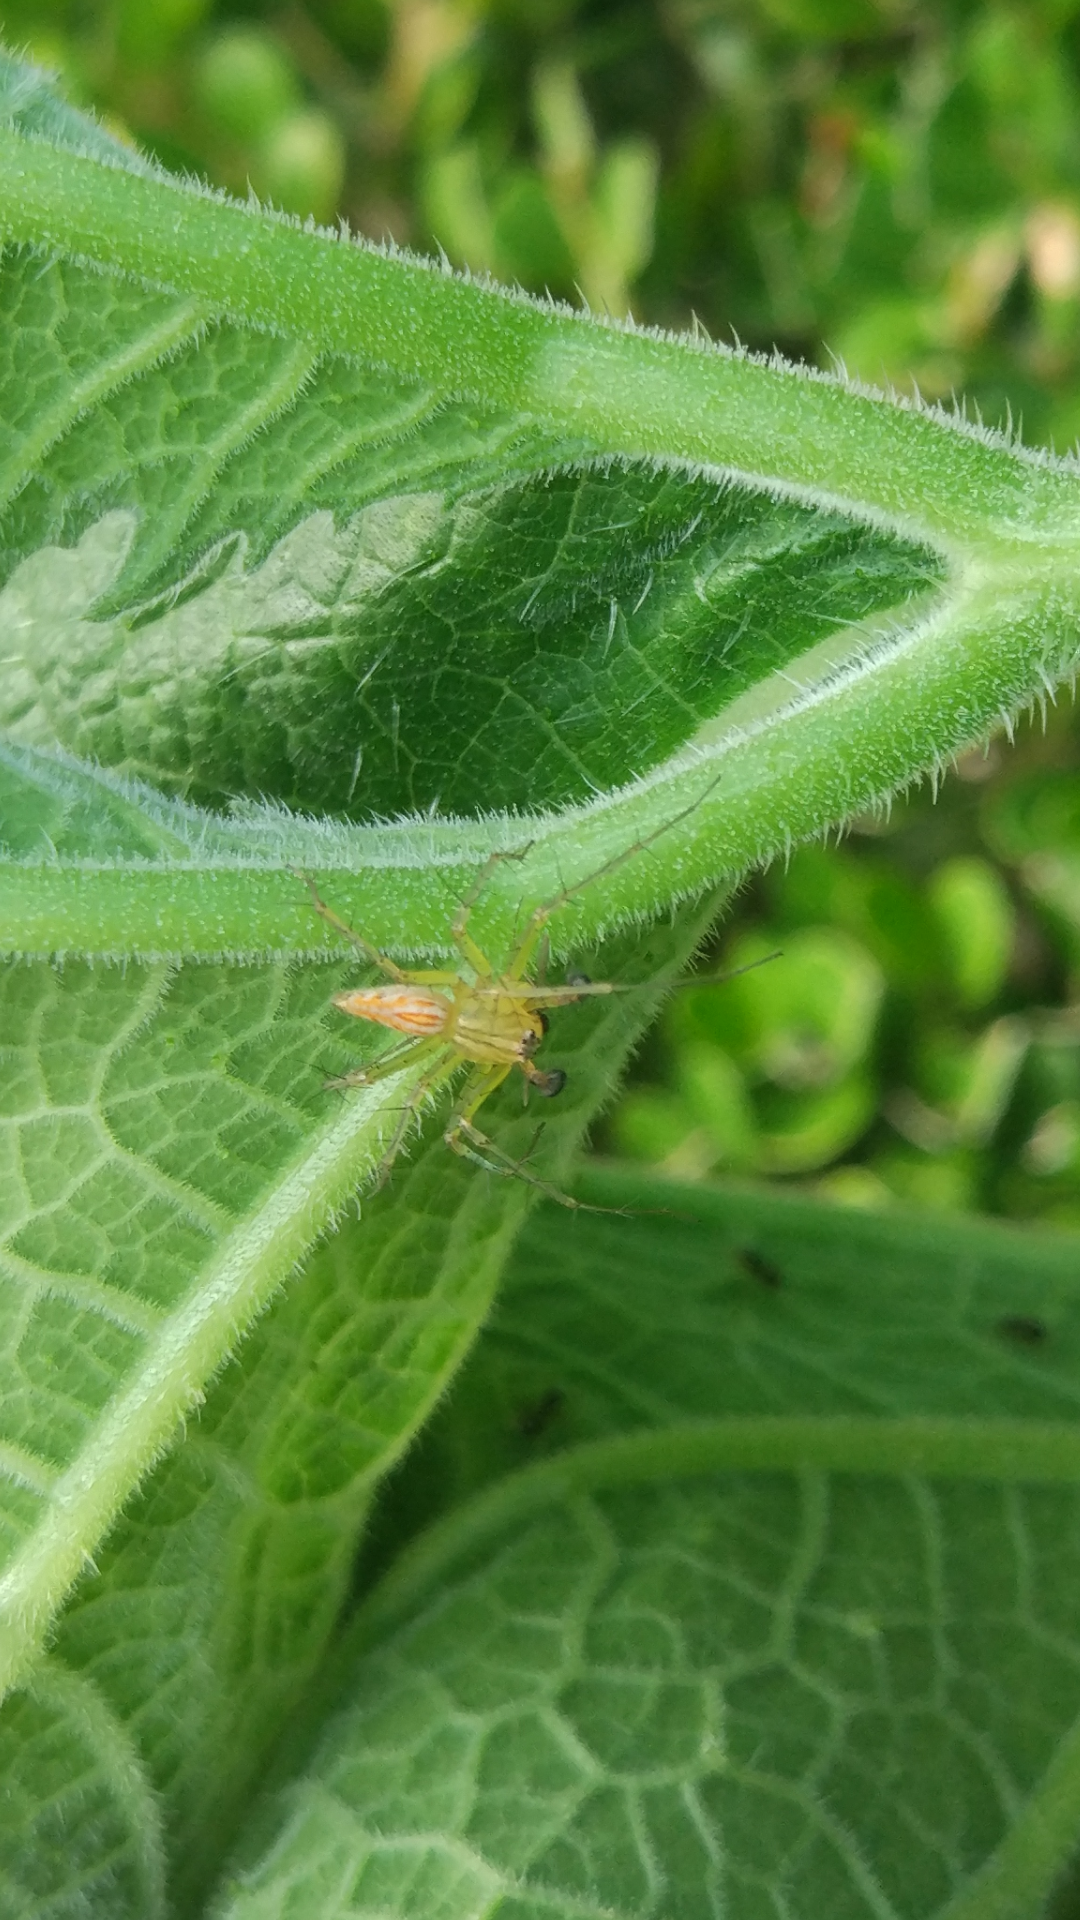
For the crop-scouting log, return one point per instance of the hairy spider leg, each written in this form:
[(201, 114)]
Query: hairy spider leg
[(538, 919), (389, 1062), (535, 926), (459, 933), (472, 1144), (479, 1086), (534, 936), (490, 983), (580, 989), (404, 976), (442, 1066), (380, 960)]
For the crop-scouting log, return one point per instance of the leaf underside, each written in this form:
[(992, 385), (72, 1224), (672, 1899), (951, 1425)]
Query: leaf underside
[(316, 561), (427, 614), (828, 1686)]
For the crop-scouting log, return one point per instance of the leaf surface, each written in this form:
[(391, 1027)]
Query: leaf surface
[(81, 1831), (316, 560), (705, 1657), (214, 1595)]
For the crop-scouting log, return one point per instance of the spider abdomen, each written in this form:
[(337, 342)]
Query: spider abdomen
[(408, 1009)]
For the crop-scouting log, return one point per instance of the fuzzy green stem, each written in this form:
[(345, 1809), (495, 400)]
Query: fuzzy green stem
[(619, 390), (1001, 634)]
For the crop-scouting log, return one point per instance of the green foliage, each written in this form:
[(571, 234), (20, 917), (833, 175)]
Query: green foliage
[(319, 560), (899, 184), (911, 1041), (900, 188), (755, 1590)]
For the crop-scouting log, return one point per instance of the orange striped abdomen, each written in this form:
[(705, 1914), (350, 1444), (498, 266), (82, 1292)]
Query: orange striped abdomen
[(407, 1009)]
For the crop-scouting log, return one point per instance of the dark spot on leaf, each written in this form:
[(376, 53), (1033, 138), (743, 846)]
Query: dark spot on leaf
[(534, 1419), (1024, 1328), (765, 1272)]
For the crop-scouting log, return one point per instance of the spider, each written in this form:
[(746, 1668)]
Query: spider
[(494, 1021)]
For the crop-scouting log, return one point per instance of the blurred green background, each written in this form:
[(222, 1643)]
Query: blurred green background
[(896, 185)]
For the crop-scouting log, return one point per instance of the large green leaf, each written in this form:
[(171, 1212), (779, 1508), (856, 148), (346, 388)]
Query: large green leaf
[(81, 1832), (708, 1656), (314, 558), (303, 520), (173, 1152), (214, 1595), (780, 1307)]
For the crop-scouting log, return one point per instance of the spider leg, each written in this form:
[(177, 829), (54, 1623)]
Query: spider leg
[(480, 1085), (386, 1063), (532, 936), (568, 995), (538, 919), (444, 1063), (530, 994), (473, 1145), (467, 1140), (465, 945), (460, 1134), (478, 1148), (340, 926)]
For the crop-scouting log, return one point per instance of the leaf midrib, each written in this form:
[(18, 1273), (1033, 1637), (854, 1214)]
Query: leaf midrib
[(630, 391), (959, 669), (182, 1354), (935, 1446)]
